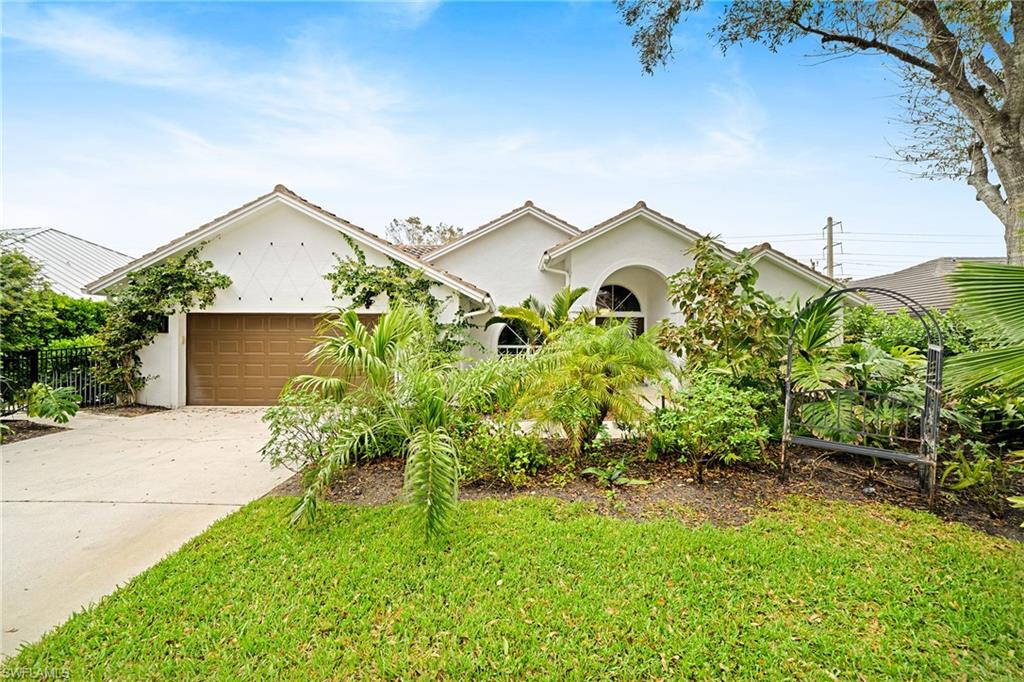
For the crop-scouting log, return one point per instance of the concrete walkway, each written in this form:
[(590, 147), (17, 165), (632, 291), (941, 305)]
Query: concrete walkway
[(85, 510)]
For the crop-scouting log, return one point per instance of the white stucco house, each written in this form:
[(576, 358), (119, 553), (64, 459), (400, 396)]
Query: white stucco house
[(278, 247)]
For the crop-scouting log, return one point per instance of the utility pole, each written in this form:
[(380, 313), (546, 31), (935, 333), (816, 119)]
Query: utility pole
[(829, 249)]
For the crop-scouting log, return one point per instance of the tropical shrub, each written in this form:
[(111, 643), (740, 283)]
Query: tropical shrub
[(302, 426), (500, 451), (137, 309), (32, 315), (589, 373), (886, 330), (728, 323), (356, 279), (58, 404), (83, 341), (991, 296), (711, 420), (537, 323), (395, 388), (974, 469)]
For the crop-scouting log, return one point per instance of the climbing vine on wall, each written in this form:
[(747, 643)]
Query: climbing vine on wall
[(355, 279), (136, 313)]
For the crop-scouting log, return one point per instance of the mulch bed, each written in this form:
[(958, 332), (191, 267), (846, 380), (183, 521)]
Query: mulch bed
[(729, 496), (23, 429), (124, 410)]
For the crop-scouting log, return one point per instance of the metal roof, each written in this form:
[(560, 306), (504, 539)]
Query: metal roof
[(925, 283), (67, 262)]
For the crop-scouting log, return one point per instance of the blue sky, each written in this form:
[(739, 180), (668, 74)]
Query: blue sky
[(130, 124)]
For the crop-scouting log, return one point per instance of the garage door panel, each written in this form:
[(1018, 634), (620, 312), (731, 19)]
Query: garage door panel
[(245, 359)]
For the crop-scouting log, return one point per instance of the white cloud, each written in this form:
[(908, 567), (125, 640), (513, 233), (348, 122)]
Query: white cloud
[(357, 141)]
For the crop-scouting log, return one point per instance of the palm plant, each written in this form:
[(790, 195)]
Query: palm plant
[(991, 297), (589, 373), (542, 322), (394, 386)]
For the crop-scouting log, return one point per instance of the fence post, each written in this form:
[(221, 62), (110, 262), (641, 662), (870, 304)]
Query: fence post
[(33, 366)]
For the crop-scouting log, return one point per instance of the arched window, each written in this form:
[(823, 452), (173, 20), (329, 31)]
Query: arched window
[(615, 301), (512, 341)]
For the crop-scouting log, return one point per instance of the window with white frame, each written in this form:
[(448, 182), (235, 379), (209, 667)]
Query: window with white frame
[(512, 340)]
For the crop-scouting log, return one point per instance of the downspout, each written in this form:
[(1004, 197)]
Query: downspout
[(544, 267), (488, 308)]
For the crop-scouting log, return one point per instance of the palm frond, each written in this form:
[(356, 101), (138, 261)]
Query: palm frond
[(431, 477), (992, 297)]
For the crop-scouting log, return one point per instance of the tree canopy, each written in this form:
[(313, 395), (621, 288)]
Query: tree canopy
[(961, 66)]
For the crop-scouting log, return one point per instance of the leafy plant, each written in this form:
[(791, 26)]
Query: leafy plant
[(985, 476), (539, 322), (5, 430), (1016, 503), (500, 451), (58, 404), (613, 475), (394, 385), (137, 308), (728, 323), (991, 296), (362, 283), (302, 426), (711, 420), (886, 330), (587, 374)]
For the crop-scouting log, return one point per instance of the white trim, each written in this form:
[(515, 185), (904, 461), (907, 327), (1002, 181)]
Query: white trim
[(559, 251), (277, 197), (480, 232)]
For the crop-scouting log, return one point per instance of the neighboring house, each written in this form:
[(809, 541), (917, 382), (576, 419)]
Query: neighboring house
[(278, 247), (67, 262), (926, 283)]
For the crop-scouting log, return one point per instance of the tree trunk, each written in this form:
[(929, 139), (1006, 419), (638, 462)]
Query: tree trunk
[(1014, 232)]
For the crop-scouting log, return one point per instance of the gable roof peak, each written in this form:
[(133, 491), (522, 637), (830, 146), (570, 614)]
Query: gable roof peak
[(528, 204), (641, 204)]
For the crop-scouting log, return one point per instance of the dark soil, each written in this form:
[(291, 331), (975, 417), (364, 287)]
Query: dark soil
[(729, 496), (125, 410), (23, 429)]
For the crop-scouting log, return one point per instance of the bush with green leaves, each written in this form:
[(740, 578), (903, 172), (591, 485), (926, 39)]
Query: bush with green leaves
[(397, 390), (501, 451), (587, 374), (888, 330), (83, 341), (710, 421), (137, 308), (980, 471), (727, 322), (58, 404), (32, 315)]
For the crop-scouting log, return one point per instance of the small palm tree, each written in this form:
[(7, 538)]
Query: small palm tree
[(992, 298), (587, 374), (395, 387), (542, 322)]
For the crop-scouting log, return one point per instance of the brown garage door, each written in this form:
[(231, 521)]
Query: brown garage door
[(242, 359)]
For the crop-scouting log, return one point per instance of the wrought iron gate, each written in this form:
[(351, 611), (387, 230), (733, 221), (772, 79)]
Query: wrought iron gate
[(915, 440)]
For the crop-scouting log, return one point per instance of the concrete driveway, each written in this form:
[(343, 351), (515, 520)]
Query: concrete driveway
[(87, 509)]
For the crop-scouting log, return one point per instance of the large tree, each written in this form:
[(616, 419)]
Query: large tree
[(961, 65)]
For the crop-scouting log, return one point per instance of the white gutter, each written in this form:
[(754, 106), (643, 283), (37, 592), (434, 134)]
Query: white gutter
[(489, 308), (544, 267)]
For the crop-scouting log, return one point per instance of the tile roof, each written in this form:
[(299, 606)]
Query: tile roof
[(67, 262), (418, 250), (925, 283)]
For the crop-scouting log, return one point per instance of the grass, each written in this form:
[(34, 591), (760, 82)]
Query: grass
[(536, 587)]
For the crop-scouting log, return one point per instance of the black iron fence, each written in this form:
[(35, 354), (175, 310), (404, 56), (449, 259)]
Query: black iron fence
[(61, 367)]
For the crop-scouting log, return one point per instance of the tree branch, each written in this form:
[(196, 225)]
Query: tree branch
[(869, 44), (988, 193), (981, 69)]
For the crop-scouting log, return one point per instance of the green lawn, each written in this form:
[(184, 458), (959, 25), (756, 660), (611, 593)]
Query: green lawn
[(537, 587)]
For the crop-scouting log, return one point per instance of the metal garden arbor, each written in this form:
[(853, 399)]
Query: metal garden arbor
[(912, 437)]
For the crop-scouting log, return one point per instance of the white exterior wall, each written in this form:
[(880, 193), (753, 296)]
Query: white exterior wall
[(638, 242), (781, 283), (506, 263), (276, 259)]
